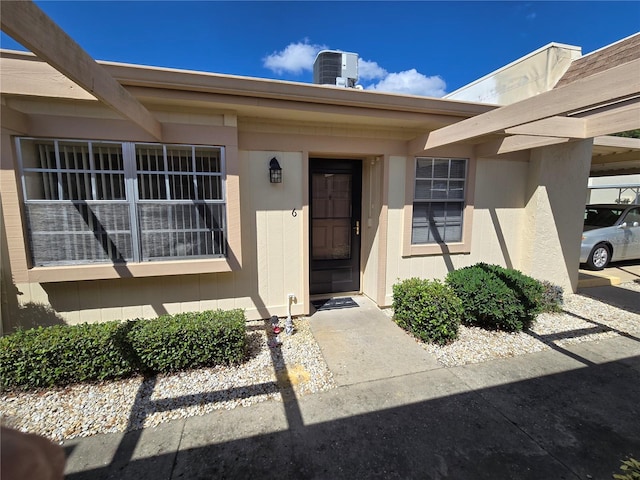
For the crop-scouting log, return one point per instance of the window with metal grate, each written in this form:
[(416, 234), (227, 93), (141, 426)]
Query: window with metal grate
[(97, 202)]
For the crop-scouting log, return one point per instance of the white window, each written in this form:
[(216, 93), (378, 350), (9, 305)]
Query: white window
[(439, 200), (100, 202)]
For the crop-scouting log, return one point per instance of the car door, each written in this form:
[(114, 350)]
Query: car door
[(630, 230)]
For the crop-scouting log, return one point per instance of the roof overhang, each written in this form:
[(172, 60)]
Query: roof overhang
[(32, 86), (604, 103)]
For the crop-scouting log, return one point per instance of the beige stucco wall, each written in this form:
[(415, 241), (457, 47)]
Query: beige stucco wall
[(527, 215), (498, 217), (554, 212)]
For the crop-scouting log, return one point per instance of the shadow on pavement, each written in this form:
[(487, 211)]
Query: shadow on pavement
[(576, 424), (619, 297)]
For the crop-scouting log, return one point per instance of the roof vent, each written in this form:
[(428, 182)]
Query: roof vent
[(333, 67)]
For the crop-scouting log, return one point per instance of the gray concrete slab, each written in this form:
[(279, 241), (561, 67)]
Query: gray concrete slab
[(417, 428), (556, 426), (92, 453), (579, 416), (117, 455), (379, 395), (362, 344), (624, 349)]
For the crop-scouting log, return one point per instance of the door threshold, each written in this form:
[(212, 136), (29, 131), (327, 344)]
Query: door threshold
[(322, 296)]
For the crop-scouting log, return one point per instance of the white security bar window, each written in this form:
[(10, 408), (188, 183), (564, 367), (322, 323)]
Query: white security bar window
[(100, 202), (438, 202), (181, 201)]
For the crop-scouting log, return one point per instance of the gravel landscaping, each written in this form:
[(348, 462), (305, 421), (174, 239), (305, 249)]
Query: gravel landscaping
[(123, 405), (583, 320), (297, 363)]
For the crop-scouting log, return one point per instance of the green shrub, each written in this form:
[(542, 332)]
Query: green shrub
[(428, 309), (528, 290), (552, 297), (188, 340), (61, 354), (496, 298)]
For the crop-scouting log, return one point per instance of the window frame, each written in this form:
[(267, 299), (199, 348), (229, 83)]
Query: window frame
[(440, 248), (136, 265)]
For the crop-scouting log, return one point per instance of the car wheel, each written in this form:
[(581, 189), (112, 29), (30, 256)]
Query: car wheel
[(599, 257)]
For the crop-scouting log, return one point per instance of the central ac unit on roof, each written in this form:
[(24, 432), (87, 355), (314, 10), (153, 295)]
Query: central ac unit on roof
[(333, 67)]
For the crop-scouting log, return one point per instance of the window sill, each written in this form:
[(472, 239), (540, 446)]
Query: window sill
[(437, 249), (71, 273)]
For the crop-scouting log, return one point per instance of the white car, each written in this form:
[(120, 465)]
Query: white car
[(611, 233)]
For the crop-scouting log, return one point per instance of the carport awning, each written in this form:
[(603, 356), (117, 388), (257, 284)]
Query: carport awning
[(615, 156), (604, 103)]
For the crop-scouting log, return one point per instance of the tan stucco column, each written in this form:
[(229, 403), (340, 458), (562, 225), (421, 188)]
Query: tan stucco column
[(556, 193)]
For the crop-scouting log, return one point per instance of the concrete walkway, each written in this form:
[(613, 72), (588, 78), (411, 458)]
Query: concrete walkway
[(397, 414)]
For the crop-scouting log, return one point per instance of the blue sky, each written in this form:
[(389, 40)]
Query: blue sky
[(417, 47)]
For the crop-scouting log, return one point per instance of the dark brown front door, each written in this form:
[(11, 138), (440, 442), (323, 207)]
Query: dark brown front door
[(335, 188)]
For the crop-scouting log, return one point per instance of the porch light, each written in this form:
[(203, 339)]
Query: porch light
[(275, 171)]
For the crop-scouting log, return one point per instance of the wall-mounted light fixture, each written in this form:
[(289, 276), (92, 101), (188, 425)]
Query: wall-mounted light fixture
[(275, 171)]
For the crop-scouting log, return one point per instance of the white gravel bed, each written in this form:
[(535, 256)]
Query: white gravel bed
[(117, 406), (583, 319)]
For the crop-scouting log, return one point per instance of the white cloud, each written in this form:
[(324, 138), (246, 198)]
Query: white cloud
[(370, 70), (411, 82), (295, 58)]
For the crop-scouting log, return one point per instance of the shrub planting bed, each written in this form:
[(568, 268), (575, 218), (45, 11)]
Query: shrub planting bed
[(482, 295), (62, 354)]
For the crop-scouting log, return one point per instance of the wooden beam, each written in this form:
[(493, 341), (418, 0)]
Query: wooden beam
[(616, 158), (615, 120), (30, 26), (617, 83), (515, 143), (616, 142), (552, 127)]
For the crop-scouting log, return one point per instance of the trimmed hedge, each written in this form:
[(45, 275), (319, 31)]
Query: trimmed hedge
[(497, 298), (177, 342), (61, 354), (429, 310)]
